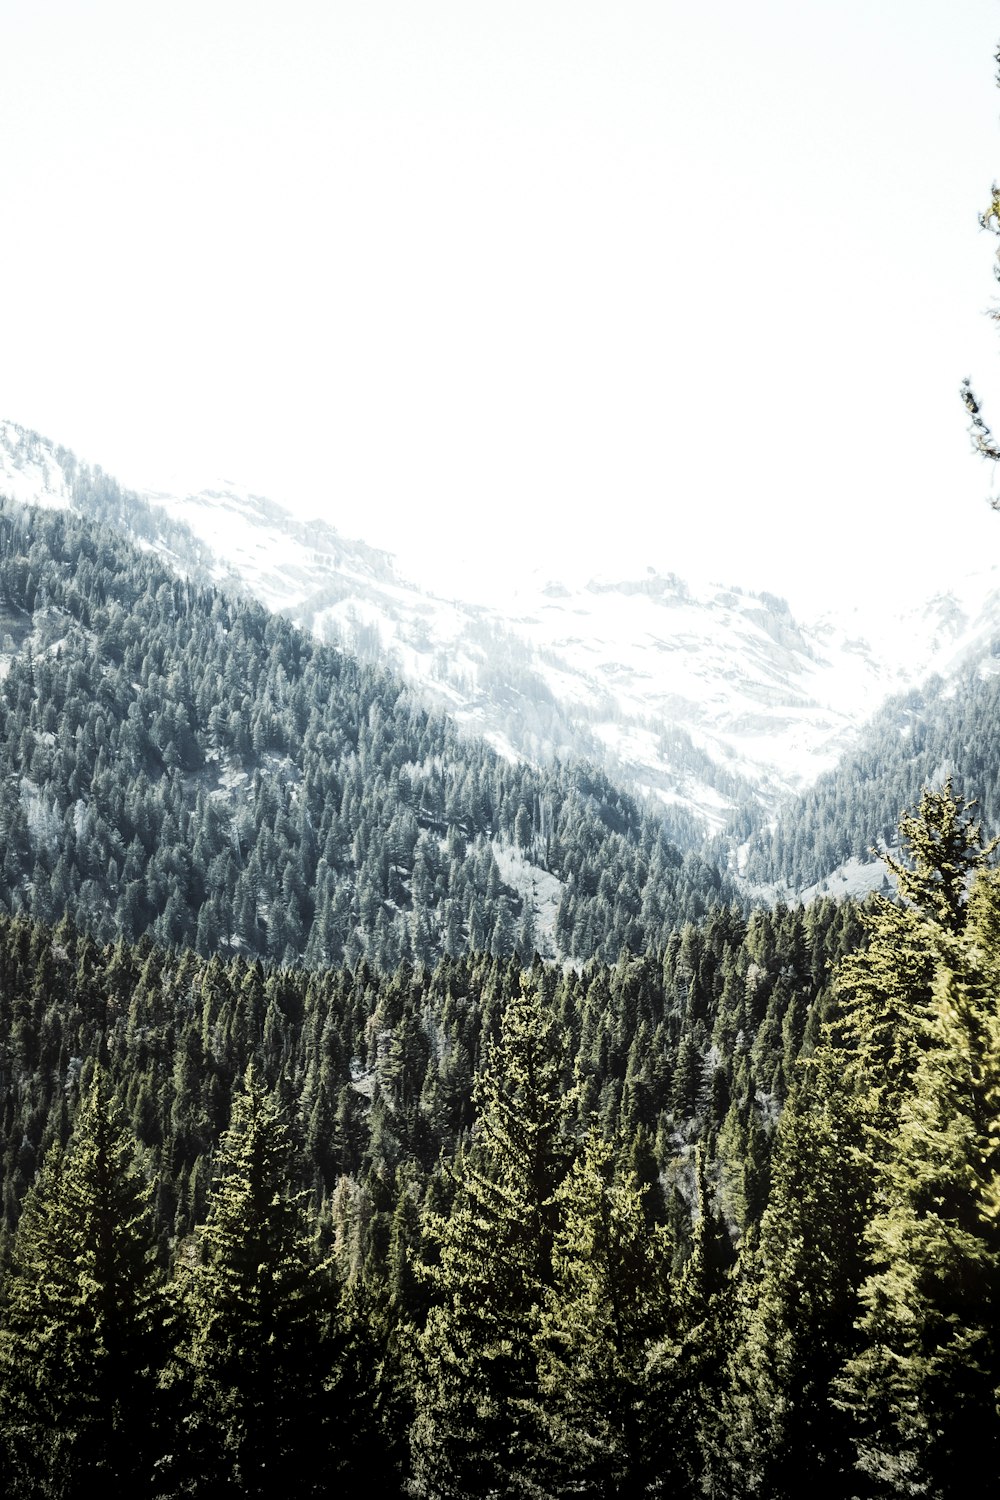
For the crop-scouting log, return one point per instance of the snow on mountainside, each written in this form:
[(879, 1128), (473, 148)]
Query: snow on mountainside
[(701, 694), (290, 567), (32, 470)]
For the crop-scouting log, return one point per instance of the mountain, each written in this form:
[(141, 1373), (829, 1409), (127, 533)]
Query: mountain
[(715, 700), (707, 697), (213, 795), (178, 761), (949, 728)]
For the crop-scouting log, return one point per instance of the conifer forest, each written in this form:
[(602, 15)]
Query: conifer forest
[(388, 1111), (319, 1175)]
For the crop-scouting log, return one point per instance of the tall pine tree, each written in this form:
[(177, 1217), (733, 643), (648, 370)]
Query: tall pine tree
[(83, 1340), (800, 1291), (798, 1302), (604, 1314), (476, 1427), (260, 1308), (924, 1389)]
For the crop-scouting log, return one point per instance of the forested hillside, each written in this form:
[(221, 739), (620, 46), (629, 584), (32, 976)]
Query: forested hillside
[(917, 740), (486, 1231), (317, 1176), (374, 1095), (180, 762)]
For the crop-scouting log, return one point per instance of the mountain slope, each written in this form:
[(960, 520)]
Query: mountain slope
[(709, 698), (176, 761), (948, 728), (717, 701)]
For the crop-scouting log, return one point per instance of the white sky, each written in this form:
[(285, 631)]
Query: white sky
[(537, 281)]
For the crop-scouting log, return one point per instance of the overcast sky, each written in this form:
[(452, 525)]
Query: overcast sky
[(616, 284)]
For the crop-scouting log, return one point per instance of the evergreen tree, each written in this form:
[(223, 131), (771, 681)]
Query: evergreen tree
[(799, 1284), (885, 989), (260, 1307), (687, 1368), (801, 1290), (945, 846), (924, 1390), (475, 1429), (606, 1308), (83, 1334)]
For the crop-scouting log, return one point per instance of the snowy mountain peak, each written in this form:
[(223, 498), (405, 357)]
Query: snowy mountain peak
[(703, 694)]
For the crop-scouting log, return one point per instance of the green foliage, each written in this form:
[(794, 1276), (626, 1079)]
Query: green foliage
[(603, 1316), (924, 1388), (375, 1073), (799, 1300), (686, 1373), (259, 1305), (945, 847), (475, 1430), (804, 1375), (886, 990), (378, 1071), (83, 1335)]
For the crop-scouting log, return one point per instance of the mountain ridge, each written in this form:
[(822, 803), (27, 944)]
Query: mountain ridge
[(710, 698)]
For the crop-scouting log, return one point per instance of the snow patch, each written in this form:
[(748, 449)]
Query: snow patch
[(42, 817), (855, 877), (541, 890)]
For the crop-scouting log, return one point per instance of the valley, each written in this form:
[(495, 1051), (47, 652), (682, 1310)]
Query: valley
[(714, 701), (454, 934)]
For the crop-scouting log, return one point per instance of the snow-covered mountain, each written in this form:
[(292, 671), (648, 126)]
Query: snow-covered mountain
[(34, 471), (701, 694), (704, 695)]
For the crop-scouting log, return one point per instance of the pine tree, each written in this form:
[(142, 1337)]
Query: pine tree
[(800, 1293), (945, 846), (924, 1390), (475, 1429), (83, 1336), (798, 1301), (884, 990), (687, 1368), (260, 1307), (605, 1311)]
